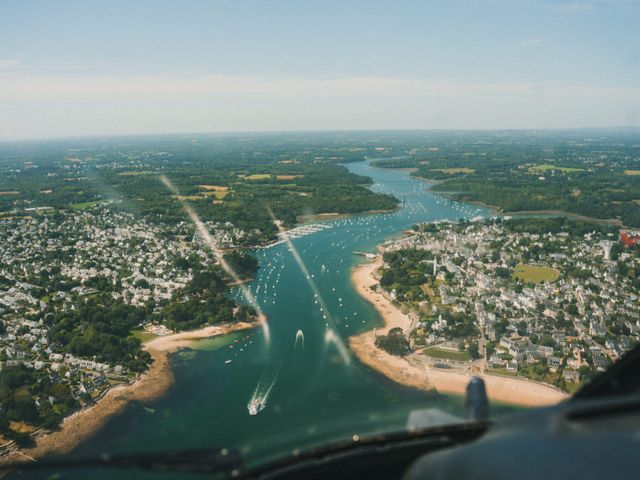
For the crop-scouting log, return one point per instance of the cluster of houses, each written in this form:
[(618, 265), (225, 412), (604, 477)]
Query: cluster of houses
[(45, 262), (584, 319)]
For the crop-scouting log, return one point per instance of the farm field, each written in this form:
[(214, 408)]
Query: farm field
[(256, 176), (547, 166), (288, 177), (218, 191)]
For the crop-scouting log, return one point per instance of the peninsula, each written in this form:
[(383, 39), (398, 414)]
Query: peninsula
[(412, 371), (148, 386)]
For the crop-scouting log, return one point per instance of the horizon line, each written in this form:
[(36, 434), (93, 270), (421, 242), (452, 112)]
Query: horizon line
[(302, 131)]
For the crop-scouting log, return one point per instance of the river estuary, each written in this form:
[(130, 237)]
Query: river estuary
[(315, 393)]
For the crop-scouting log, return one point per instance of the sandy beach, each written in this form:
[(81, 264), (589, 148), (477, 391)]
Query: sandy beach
[(411, 373), (81, 425)]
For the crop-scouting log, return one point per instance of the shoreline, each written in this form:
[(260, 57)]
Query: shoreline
[(319, 217), (576, 216), (401, 370), (397, 369), (616, 222), (498, 210), (150, 385)]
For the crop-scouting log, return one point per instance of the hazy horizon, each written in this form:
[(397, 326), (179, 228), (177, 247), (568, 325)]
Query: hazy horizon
[(99, 136), (110, 69)]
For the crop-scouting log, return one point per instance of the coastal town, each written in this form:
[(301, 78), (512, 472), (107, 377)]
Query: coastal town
[(547, 300), (54, 266), (107, 269)]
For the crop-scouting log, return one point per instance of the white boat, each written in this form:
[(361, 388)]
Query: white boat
[(255, 406), (228, 361)]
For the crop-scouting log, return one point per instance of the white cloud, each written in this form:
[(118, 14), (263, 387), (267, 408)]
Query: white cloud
[(64, 105)]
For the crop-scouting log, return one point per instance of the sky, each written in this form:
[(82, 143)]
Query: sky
[(78, 68)]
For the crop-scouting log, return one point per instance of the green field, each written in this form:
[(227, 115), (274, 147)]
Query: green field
[(437, 352), (536, 273), (455, 170), (256, 176), (83, 205), (547, 166), (142, 335)]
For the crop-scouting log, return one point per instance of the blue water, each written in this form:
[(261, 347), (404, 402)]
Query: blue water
[(316, 396)]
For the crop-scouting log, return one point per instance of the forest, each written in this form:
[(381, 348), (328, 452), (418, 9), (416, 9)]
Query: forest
[(224, 178), (594, 173), (99, 328), (204, 301)]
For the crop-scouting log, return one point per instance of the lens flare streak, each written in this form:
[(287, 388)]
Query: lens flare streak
[(330, 336), (204, 233)]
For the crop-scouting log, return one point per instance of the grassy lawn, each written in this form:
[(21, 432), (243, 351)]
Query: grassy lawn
[(455, 170), (437, 352), (256, 176), (142, 335), (536, 273), (632, 172), (83, 205), (547, 166)]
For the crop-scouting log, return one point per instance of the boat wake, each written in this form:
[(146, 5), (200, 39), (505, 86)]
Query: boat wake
[(262, 392)]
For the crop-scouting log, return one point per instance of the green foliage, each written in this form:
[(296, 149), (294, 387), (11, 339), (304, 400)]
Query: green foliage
[(205, 303), (474, 351), (21, 386), (513, 185), (100, 328), (312, 183), (394, 342), (244, 264), (459, 325), (407, 271)]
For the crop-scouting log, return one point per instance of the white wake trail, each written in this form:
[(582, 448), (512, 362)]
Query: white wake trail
[(204, 233)]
